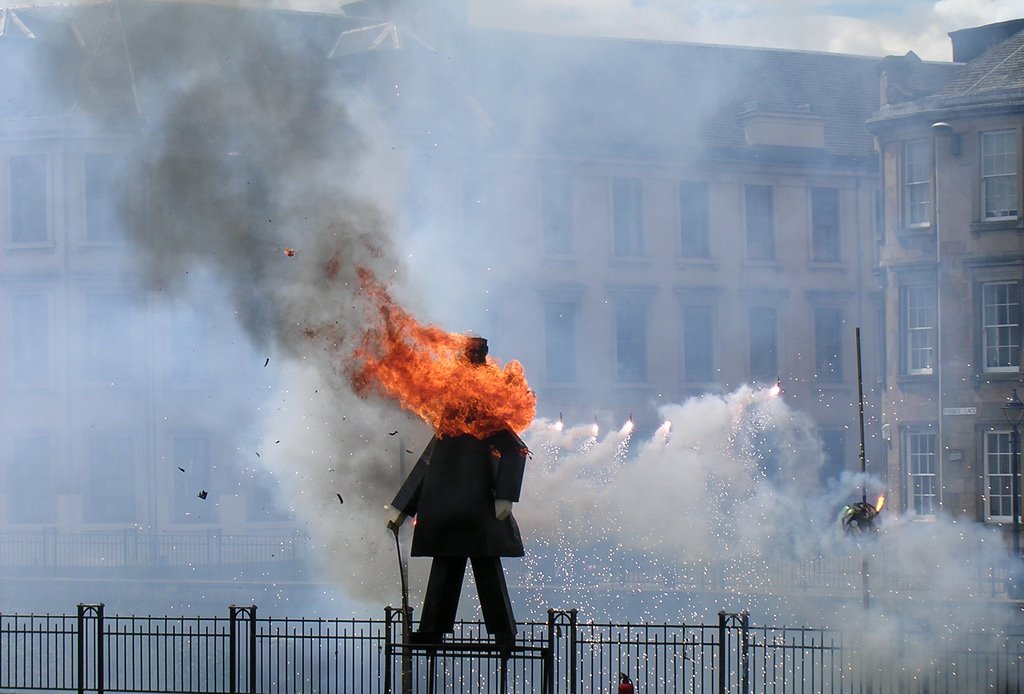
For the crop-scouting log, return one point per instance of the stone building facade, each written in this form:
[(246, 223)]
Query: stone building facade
[(951, 261)]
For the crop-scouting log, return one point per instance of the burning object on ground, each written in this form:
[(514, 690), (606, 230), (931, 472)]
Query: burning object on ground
[(290, 252), (860, 517)]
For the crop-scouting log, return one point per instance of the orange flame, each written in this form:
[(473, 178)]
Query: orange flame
[(879, 504), (425, 369)]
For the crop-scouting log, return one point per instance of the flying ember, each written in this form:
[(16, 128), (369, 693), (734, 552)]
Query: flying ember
[(424, 368)]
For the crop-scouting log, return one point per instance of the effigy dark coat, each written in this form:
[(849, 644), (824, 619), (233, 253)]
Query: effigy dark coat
[(451, 491)]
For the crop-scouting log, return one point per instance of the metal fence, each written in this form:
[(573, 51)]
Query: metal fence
[(244, 652)]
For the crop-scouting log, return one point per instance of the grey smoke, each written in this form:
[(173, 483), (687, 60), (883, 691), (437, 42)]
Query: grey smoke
[(252, 148)]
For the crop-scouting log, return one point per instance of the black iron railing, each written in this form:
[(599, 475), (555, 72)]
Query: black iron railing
[(246, 653)]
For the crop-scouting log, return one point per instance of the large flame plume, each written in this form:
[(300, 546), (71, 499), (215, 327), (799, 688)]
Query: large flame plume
[(426, 370)]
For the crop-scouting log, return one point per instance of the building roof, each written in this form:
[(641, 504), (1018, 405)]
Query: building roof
[(664, 97), (992, 80), (997, 71), (132, 58)]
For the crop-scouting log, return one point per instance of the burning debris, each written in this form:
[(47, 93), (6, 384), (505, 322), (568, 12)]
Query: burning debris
[(290, 252)]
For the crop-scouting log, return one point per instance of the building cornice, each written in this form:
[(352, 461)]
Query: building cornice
[(1006, 260), (948, 108)]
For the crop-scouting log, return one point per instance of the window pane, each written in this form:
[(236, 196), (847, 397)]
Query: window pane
[(1000, 315), (694, 220), (560, 341), (698, 361), (189, 346), (919, 326), (110, 480), (31, 484), (631, 342), (828, 344), (30, 338), (760, 209), (999, 174), (825, 224), (998, 474), (921, 470), (108, 337), (763, 344), (28, 199), (104, 197), (916, 183), (628, 216), (833, 443), (192, 476), (556, 214), (264, 499)]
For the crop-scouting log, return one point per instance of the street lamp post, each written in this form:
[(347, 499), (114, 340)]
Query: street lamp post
[(1013, 410)]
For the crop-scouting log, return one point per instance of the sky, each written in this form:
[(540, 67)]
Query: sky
[(863, 27)]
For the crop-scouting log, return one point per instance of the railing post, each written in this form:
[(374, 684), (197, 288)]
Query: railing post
[(83, 612), (81, 648), (406, 653), (252, 649), (721, 652), (99, 649), (573, 662), (232, 649), (388, 648), (555, 629), (233, 654), (745, 652), (728, 620), (551, 627)]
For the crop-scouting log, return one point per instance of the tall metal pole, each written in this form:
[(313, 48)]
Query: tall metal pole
[(860, 405), (866, 595)]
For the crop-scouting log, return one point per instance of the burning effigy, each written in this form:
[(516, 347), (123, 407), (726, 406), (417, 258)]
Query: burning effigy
[(463, 486)]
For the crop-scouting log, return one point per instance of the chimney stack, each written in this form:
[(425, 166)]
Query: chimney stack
[(968, 44)]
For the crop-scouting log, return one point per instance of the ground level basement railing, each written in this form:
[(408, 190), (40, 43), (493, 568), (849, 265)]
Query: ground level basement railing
[(243, 652), (47, 553)]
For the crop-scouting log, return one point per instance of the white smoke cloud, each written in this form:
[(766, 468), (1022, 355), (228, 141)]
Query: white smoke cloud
[(730, 487)]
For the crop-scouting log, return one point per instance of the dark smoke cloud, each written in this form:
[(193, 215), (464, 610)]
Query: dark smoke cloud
[(269, 187)]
